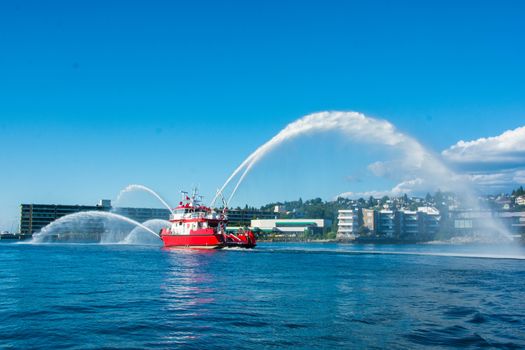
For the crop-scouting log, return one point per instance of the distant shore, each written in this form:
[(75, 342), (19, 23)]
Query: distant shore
[(380, 241), (14, 237)]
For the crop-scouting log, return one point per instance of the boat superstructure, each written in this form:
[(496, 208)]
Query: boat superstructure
[(193, 225)]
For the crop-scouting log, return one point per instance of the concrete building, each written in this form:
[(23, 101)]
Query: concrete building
[(370, 220), (513, 222), (243, 217), (409, 224), (290, 227), (404, 224), (33, 217), (143, 214), (388, 225), (348, 224), (430, 222), (472, 222)]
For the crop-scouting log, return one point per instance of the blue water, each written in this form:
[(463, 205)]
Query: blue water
[(66, 296)]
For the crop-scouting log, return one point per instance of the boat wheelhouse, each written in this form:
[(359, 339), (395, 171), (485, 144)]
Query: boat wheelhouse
[(194, 225)]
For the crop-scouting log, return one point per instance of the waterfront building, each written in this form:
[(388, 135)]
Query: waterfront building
[(370, 220), (404, 224), (33, 217), (430, 222), (514, 222), (348, 224), (387, 223), (471, 222), (143, 214), (486, 222), (409, 224), (422, 224), (243, 217), (292, 228)]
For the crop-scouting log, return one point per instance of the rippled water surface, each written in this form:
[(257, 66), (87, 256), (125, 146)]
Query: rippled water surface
[(278, 295)]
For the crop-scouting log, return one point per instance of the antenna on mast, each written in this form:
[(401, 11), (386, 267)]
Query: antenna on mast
[(219, 195)]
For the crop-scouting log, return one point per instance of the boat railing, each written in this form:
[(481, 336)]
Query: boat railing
[(198, 215)]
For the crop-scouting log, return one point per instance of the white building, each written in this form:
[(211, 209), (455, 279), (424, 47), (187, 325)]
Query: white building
[(520, 200), (347, 224), (290, 227)]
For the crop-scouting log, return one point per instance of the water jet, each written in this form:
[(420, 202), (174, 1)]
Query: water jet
[(79, 217), (136, 187)]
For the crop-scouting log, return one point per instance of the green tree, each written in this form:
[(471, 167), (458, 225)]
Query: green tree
[(331, 235)]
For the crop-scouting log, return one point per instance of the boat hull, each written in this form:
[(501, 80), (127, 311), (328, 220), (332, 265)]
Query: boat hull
[(193, 241)]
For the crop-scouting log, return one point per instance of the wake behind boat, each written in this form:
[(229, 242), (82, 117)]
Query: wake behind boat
[(194, 225)]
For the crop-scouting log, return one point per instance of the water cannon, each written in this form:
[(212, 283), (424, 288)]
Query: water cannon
[(223, 200)]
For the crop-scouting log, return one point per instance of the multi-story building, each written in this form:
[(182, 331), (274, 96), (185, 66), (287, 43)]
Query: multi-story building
[(347, 224), (469, 222), (430, 222), (409, 224), (487, 222), (243, 217), (387, 223), (401, 224), (143, 214), (514, 222), (33, 217), (370, 220)]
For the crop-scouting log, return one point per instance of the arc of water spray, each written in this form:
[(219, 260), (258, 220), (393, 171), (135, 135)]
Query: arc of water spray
[(136, 187), (89, 215), (363, 129), (356, 125), (159, 223)]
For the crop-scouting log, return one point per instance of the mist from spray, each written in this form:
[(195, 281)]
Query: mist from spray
[(358, 128), (135, 187), (416, 160), (71, 221), (136, 236)]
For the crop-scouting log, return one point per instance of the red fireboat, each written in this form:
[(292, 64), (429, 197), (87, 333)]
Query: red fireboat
[(194, 225)]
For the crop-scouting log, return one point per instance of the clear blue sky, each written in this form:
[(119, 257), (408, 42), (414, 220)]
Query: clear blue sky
[(95, 95)]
